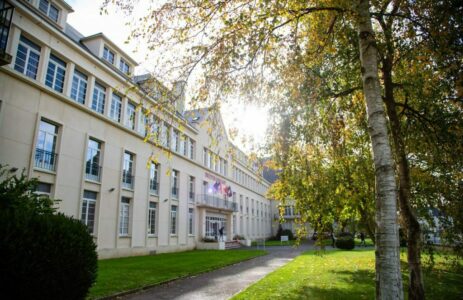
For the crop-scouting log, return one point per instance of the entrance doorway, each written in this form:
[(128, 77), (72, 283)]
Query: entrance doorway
[(213, 225)]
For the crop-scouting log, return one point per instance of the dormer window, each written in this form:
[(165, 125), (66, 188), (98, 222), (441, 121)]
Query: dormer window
[(108, 55), (49, 9), (124, 66)]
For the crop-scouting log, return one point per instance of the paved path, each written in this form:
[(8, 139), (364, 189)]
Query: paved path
[(222, 283)]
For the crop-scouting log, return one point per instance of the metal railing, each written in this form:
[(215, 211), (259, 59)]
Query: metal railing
[(6, 14), (216, 202), (128, 180), (45, 159), (93, 172), (154, 187)]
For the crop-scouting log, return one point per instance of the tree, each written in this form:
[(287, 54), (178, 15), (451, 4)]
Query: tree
[(247, 46)]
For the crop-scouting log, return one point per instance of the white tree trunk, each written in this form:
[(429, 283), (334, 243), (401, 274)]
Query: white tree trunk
[(388, 276)]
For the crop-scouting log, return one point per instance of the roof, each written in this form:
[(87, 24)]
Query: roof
[(65, 4), (111, 44)]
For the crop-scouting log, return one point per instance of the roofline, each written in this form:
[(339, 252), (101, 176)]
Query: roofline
[(112, 44), (66, 5)]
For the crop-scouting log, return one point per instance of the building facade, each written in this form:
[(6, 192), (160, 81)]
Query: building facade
[(143, 180)]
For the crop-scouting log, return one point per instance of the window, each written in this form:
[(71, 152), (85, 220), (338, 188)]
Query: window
[(191, 189), (49, 9), (88, 210), (92, 166), (165, 135), (130, 116), (55, 73), (183, 140), (99, 96), (173, 219), (175, 140), (192, 149), (152, 218), (124, 217), (27, 58), (154, 175), (175, 179), (124, 66), (205, 158), (108, 55), (79, 87), (116, 108), (127, 171), (225, 168), (43, 189), (241, 203), (45, 156), (191, 216), (142, 121)]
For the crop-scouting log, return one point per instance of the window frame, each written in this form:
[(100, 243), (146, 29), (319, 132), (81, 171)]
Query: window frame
[(115, 111), (56, 73), (108, 55), (99, 98), (87, 201), (29, 47), (124, 217), (152, 217), (173, 220), (47, 11), (79, 79)]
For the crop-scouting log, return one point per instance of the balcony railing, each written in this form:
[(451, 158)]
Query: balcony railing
[(154, 187), (45, 160), (93, 172), (128, 180), (175, 192), (216, 202), (6, 14)]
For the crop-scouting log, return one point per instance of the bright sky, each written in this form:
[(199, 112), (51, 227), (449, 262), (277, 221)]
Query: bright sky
[(251, 121)]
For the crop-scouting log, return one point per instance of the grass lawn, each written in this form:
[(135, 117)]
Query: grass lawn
[(124, 274), (368, 242), (344, 275)]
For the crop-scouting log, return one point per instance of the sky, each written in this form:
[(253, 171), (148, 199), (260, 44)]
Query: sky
[(250, 120)]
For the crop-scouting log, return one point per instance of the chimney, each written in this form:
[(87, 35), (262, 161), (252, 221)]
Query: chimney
[(178, 91)]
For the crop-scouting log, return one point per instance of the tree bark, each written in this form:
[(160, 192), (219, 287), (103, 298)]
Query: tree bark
[(388, 276), (416, 287)]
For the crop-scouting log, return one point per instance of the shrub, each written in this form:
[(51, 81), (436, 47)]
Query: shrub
[(287, 232), (208, 240), (45, 256), (238, 237), (345, 242)]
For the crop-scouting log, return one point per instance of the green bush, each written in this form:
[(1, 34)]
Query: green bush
[(287, 232), (45, 256), (345, 242)]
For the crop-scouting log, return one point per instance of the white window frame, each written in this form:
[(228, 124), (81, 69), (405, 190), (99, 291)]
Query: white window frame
[(98, 98), (30, 47), (130, 115), (79, 82), (106, 55), (191, 221), (84, 216), (49, 8), (173, 219), (55, 65), (115, 111), (152, 210), (124, 67), (124, 217)]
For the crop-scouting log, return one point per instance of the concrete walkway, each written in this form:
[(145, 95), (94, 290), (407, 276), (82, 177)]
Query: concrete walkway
[(225, 282)]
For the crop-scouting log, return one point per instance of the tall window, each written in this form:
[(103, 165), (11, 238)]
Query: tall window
[(127, 171), (225, 167), (27, 58), (130, 116), (191, 216), (92, 166), (191, 189), (175, 183), (108, 55), (88, 210), (124, 217), (79, 87), (175, 140), (142, 121), (165, 135), (173, 219), (154, 178), (116, 107), (43, 189), (45, 156), (152, 218), (192, 149), (55, 73), (49, 9), (205, 157), (99, 96), (241, 203), (124, 66)]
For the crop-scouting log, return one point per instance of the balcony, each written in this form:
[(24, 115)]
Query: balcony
[(174, 192), (6, 14), (215, 202), (128, 180), (45, 160), (154, 187), (93, 172)]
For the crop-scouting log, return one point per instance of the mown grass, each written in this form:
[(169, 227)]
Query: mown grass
[(125, 274), (345, 275)]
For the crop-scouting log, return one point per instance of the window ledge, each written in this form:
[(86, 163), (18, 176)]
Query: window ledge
[(152, 235), (125, 236), (93, 181), (44, 171)]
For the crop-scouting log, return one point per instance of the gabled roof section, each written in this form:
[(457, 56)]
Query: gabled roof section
[(65, 5), (111, 44)]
